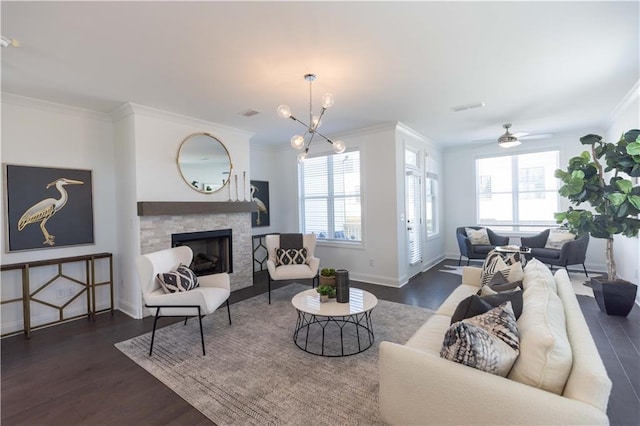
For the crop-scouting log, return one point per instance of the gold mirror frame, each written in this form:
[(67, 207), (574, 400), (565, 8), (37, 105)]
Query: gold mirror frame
[(204, 163)]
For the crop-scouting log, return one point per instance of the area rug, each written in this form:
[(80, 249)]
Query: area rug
[(578, 280), (254, 374)]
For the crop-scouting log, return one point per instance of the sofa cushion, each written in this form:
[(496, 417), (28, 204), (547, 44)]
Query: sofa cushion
[(428, 338), (182, 279), (546, 358), (558, 237), (476, 305), (536, 274), (487, 342), (449, 306), (477, 236)]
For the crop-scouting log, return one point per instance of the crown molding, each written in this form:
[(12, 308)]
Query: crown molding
[(42, 105), (630, 97), (131, 108)]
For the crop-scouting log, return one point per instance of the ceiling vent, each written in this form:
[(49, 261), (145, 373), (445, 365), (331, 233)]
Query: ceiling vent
[(249, 112)]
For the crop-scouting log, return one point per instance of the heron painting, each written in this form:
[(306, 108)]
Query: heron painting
[(259, 191), (54, 204)]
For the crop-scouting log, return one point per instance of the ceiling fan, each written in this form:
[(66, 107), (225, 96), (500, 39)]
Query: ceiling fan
[(508, 139)]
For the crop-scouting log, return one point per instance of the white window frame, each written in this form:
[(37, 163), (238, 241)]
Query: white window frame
[(431, 177), (515, 225), (330, 203)]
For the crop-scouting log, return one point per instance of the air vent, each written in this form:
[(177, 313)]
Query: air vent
[(249, 112), (468, 106)]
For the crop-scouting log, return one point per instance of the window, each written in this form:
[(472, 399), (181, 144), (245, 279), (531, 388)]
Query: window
[(329, 192), (431, 197), (517, 192)]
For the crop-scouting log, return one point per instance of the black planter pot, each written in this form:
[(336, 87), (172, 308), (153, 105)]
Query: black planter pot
[(614, 297)]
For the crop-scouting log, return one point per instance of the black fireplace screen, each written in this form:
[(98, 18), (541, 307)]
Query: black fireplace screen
[(211, 250)]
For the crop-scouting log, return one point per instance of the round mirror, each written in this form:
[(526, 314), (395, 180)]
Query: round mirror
[(204, 163)]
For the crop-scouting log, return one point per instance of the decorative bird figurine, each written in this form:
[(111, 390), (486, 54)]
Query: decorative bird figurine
[(45, 209), (261, 207)]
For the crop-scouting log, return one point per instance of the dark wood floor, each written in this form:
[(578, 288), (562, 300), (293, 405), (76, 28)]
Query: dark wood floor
[(71, 374)]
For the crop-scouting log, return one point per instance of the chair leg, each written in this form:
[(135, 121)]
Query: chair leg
[(585, 270), (153, 333), (228, 311), (269, 289), (459, 260), (468, 260), (185, 320), (201, 332)]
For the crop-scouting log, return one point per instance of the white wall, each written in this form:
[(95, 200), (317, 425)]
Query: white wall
[(626, 250), (39, 133), (266, 165), (147, 142), (381, 258), (460, 191)]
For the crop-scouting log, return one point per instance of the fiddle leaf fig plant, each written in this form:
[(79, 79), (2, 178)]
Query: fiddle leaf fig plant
[(615, 204)]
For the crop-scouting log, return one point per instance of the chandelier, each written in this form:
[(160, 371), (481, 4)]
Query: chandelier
[(300, 142)]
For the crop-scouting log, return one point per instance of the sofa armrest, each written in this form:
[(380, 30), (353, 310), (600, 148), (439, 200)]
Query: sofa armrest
[(417, 388), (471, 275)]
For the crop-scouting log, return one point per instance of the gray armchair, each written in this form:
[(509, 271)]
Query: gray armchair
[(478, 251), (571, 253)]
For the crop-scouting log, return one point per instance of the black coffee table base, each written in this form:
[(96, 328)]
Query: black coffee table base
[(352, 328)]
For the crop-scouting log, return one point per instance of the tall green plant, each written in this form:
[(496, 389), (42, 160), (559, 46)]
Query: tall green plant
[(616, 204)]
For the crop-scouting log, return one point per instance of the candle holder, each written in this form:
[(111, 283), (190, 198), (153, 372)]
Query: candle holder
[(236, 179)]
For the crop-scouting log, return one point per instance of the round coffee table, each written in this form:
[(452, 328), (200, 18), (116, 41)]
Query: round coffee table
[(335, 321)]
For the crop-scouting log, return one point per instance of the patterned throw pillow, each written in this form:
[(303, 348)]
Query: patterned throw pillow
[(558, 237), (476, 305), (487, 342), (494, 263), (478, 236), (182, 279), (291, 256)]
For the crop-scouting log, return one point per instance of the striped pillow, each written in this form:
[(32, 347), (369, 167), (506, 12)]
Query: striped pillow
[(511, 269)]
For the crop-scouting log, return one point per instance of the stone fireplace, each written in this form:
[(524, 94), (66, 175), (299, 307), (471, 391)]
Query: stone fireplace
[(156, 232), (212, 250)]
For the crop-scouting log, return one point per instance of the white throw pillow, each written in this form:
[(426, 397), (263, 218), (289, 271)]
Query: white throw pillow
[(546, 358), (478, 236), (558, 237)]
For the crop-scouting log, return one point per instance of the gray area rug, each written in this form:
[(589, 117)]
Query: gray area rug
[(254, 374)]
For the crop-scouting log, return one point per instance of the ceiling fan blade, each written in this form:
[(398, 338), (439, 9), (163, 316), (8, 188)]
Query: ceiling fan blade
[(537, 136), (520, 134)]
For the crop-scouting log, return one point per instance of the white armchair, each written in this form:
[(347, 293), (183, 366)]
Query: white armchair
[(308, 270), (212, 292)]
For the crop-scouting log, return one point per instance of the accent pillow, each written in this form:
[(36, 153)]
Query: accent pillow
[(546, 358), (499, 282), (477, 236), (558, 237), (182, 279), (291, 256), (476, 305), (487, 342), (494, 263)]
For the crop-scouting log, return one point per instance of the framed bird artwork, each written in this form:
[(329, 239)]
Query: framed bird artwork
[(259, 191), (48, 207)]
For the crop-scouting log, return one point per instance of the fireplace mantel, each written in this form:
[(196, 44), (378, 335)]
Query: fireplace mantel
[(164, 208)]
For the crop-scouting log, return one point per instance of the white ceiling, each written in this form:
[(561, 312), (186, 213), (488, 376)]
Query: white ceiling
[(546, 67)]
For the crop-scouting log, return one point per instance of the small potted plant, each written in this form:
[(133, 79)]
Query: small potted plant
[(615, 207), (326, 292), (328, 277)]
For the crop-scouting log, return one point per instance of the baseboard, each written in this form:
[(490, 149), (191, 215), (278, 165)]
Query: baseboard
[(376, 279)]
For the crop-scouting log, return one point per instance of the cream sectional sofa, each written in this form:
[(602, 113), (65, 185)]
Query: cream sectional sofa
[(417, 386)]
